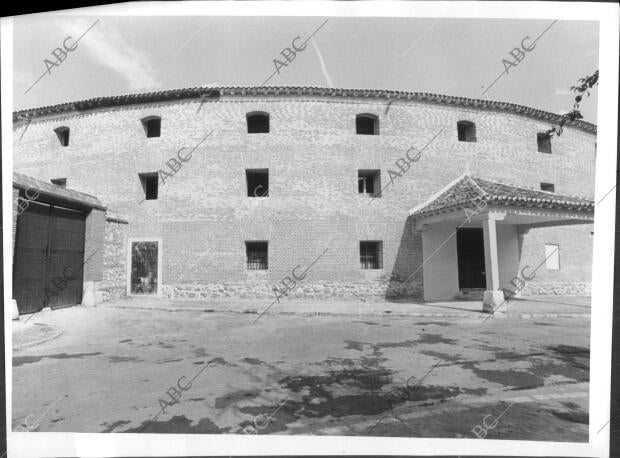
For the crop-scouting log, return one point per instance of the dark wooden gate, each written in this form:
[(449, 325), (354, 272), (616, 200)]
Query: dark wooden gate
[(49, 252)]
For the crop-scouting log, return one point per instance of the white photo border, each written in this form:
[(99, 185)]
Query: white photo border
[(125, 444)]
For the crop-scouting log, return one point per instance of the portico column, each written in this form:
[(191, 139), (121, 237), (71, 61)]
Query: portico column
[(493, 297)]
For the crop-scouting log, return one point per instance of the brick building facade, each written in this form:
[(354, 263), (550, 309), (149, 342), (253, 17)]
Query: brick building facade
[(209, 205)]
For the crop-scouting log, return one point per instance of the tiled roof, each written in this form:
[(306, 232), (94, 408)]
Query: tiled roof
[(467, 191), (50, 190), (212, 92)]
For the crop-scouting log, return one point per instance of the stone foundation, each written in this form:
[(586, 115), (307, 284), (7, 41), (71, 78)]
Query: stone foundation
[(114, 283), (557, 289), (327, 290)]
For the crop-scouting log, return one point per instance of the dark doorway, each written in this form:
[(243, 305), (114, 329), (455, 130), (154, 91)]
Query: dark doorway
[(144, 267), (470, 255), (49, 256)]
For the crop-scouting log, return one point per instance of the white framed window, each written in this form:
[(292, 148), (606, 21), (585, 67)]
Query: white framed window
[(552, 256)]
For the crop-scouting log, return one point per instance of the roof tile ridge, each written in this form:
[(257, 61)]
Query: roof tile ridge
[(528, 188), (481, 191), (437, 194), (350, 92)]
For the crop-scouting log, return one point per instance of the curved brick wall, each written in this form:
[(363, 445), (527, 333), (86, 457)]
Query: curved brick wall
[(203, 215)]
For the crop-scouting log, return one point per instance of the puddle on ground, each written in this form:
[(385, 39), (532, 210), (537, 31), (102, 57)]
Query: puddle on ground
[(124, 359), (440, 355), (21, 360), (570, 405), (576, 372), (577, 357), (164, 361), (232, 398), (113, 426), (519, 380), (435, 338), (320, 402), (179, 424), (254, 361), (272, 419), (404, 343), (572, 416), (434, 323), (519, 422), (353, 345)]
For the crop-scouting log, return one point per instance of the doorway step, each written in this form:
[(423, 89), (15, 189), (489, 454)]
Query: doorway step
[(470, 294)]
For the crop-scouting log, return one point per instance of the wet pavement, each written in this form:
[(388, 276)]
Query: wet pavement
[(124, 370)]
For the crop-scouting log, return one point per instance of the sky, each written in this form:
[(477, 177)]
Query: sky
[(451, 56)]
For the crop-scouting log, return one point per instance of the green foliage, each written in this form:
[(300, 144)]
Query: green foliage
[(584, 86)]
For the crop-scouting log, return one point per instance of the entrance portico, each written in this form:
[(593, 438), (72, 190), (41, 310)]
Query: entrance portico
[(504, 213)]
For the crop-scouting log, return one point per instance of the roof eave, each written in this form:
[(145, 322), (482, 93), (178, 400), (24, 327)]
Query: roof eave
[(214, 92)]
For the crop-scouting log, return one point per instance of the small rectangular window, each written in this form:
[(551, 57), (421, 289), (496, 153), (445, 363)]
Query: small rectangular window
[(371, 254), (544, 142), (369, 182), (258, 123), (257, 182), (366, 125), (152, 127), (549, 187), (62, 182), (150, 184), (552, 257), (466, 131), (256, 255)]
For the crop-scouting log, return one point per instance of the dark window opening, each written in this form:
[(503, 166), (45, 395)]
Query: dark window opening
[(62, 182), (258, 182), (549, 187), (369, 182), (258, 123), (366, 125), (256, 255), (152, 126), (371, 255), (466, 131), (544, 142), (63, 135), (150, 184)]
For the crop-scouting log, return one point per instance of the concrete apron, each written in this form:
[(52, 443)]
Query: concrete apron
[(494, 303)]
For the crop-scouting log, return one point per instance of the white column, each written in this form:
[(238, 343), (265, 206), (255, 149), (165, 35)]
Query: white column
[(491, 262), (493, 297)]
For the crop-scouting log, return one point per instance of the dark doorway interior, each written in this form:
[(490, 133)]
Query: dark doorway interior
[(144, 267), (470, 255)]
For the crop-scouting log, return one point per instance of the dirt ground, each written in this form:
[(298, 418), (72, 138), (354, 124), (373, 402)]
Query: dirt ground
[(126, 370)]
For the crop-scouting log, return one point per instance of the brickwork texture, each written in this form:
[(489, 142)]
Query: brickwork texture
[(203, 214)]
